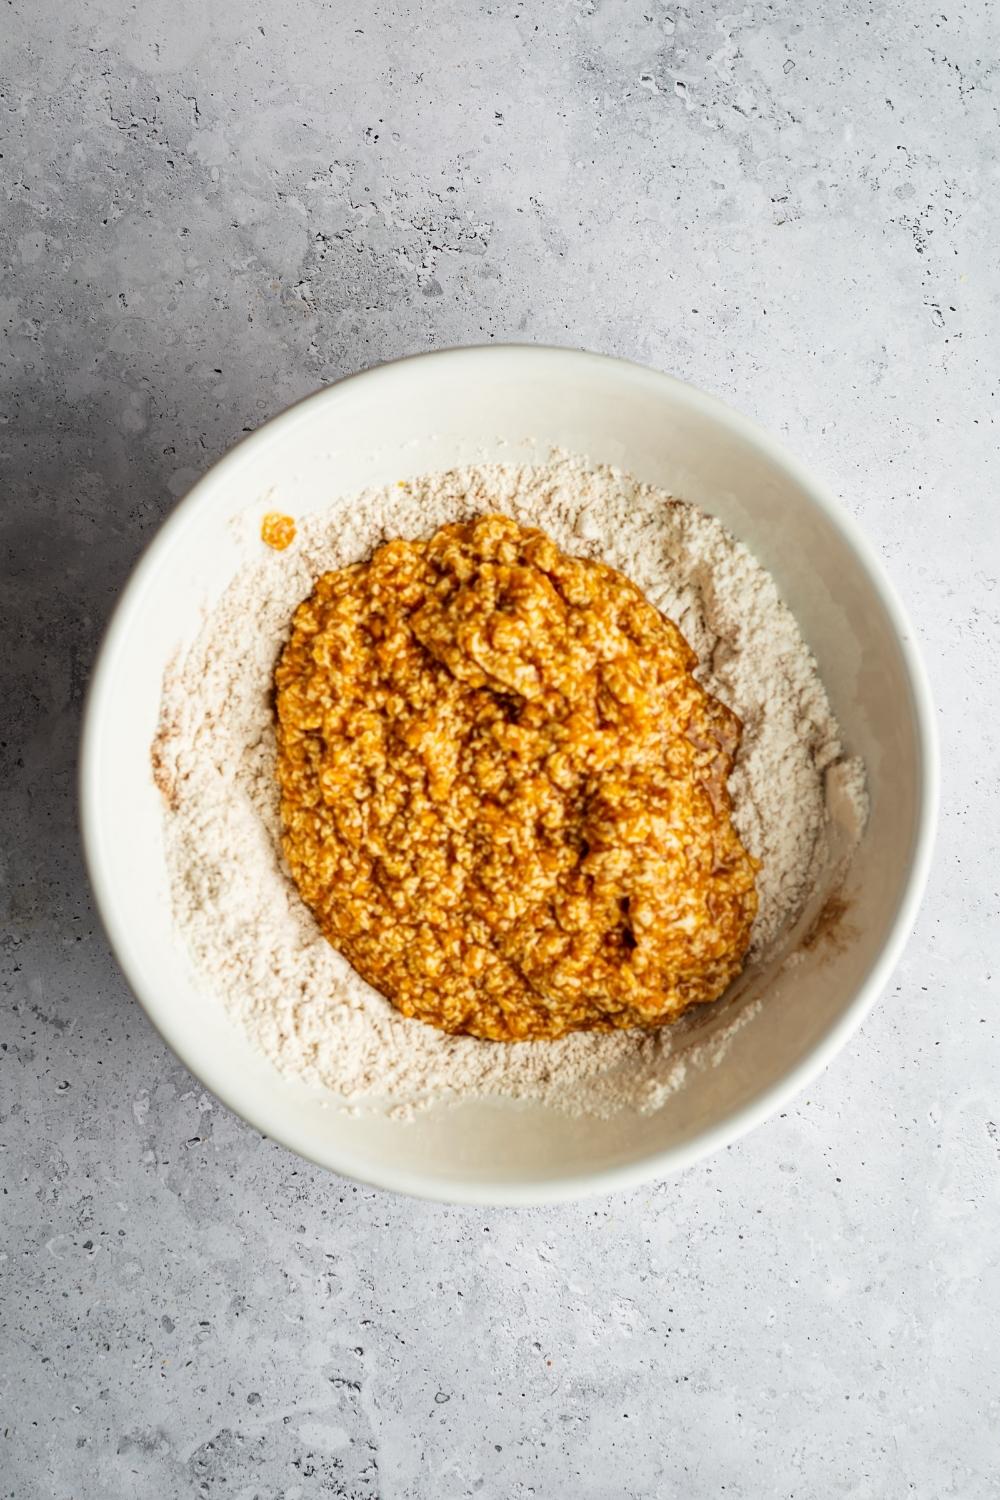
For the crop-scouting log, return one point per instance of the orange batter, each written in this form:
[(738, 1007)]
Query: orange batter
[(503, 791)]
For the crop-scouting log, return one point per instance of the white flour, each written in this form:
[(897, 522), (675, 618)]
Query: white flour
[(256, 946)]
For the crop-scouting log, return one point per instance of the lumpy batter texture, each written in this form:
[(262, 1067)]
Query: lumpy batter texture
[(277, 530), (503, 792)]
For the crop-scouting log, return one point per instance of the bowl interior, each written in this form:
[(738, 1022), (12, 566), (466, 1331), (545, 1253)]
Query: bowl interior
[(511, 405)]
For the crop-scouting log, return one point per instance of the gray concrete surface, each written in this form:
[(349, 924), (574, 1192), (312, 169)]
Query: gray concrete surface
[(211, 209)]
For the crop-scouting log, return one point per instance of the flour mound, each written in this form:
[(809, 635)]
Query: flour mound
[(256, 947)]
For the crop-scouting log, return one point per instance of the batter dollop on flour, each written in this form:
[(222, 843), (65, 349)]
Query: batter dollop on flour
[(504, 792)]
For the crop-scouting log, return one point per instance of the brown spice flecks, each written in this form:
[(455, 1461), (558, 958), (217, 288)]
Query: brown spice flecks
[(277, 531), (829, 923), (164, 765), (503, 791)]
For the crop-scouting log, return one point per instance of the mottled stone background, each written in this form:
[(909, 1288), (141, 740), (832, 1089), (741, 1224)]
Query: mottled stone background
[(211, 208)]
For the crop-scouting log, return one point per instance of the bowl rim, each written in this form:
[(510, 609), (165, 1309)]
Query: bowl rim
[(652, 1165)]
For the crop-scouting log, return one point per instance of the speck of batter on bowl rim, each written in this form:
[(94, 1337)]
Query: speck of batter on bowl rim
[(277, 530), (798, 802)]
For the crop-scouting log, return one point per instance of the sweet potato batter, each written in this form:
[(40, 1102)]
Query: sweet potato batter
[(277, 530), (503, 792)]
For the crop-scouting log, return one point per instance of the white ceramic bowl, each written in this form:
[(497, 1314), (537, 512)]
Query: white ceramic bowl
[(431, 412)]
